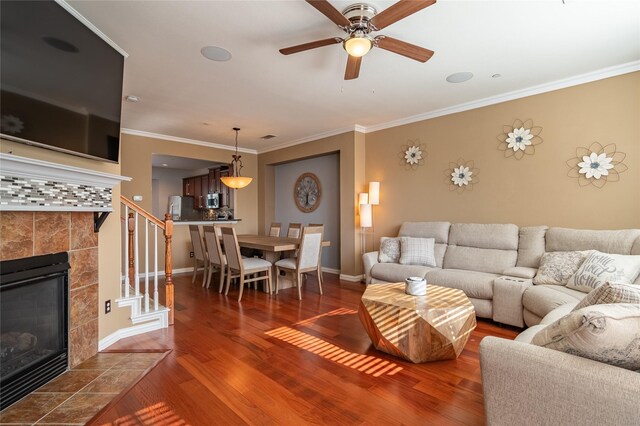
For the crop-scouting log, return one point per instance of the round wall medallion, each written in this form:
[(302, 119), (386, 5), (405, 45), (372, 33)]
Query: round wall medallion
[(307, 192)]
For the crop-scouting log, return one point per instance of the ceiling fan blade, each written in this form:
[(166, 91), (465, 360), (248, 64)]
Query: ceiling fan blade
[(353, 68), (310, 45), (403, 48), (324, 7), (399, 11)]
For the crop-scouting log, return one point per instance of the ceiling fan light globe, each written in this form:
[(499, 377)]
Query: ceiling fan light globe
[(357, 46)]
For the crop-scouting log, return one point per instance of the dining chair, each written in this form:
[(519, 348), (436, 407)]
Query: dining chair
[(308, 259), (274, 230), (239, 267), (215, 254), (294, 230), (199, 253)]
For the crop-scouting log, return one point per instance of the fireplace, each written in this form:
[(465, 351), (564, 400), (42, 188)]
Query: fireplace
[(34, 300)]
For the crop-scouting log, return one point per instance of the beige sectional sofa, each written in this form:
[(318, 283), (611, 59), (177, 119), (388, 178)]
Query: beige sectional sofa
[(494, 265)]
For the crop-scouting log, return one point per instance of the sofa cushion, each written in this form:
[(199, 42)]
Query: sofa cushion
[(478, 259), (527, 335), (605, 333), (611, 293), (439, 231), (531, 245), (618, 241), (520, 272), (502, 236), (600, 267), (389, 250), (394, 272), (417, 251), (542, 299), (556, 267), (558, 313), (478, 285)]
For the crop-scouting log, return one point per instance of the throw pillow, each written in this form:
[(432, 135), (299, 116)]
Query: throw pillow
[(417, 251), (556, 267), (600, 267), (389, 250), (605, 333), (611, 293)]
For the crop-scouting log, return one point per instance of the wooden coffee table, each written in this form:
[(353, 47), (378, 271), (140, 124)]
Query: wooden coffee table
[(417, 328)]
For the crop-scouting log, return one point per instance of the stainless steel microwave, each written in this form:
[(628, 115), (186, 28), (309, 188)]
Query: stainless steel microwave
[(213, 200)]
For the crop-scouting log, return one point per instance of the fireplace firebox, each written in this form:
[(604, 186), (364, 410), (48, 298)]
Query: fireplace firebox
[(34, 311)]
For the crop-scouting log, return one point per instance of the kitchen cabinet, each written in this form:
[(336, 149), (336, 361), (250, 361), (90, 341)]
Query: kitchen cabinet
[(188, 186), (199, 186)]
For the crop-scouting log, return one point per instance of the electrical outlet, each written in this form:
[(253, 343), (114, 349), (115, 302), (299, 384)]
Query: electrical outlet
[(190, 254), (107, 306)]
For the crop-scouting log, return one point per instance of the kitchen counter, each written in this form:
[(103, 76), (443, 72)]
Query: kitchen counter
[(206, 222)]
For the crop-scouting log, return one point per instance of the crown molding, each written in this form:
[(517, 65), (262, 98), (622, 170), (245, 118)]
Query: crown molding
[(185, 140), (92, 27), (516, 94), (355, 128)]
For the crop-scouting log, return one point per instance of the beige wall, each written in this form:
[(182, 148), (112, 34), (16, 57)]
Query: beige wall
[(109, 237), (531, 191), (350, 147), (136, 153)]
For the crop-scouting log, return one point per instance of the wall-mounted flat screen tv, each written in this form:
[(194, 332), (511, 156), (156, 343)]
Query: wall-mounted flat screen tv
[(61, 83)]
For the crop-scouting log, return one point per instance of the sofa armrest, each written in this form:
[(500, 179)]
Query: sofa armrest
[(520, 272), (524, 384), (369, 259), (507, 300)]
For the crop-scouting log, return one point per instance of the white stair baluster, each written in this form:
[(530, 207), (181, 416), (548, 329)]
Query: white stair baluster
[(136, 250), (155, 268), (146, 265), (126, 251)]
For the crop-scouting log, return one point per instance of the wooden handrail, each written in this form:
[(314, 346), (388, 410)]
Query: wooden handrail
[(167, 228), (133, 206)]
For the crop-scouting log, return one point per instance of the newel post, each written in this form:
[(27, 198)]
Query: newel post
[(130, 228), (168, 269)]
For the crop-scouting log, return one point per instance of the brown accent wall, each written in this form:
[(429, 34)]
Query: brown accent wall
[(531, 191), (25, 234)]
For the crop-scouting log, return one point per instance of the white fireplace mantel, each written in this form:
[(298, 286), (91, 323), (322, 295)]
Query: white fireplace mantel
[(37, 185)]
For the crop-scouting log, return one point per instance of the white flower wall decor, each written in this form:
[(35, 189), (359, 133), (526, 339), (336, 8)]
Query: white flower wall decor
[(519, 139), (461, 175), (597, 165), (413, 154)]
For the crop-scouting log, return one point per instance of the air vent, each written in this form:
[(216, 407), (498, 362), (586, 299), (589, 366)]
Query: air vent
[(267, 137)]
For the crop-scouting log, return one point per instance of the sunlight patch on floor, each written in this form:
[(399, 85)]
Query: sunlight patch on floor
[(156, 414), (364, 363)]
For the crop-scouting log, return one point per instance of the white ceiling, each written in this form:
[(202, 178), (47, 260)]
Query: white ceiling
[(529, 43)]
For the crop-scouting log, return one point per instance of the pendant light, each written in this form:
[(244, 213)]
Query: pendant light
[(236, 181)]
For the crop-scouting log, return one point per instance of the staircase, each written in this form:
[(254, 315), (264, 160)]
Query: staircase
[(149, 297)]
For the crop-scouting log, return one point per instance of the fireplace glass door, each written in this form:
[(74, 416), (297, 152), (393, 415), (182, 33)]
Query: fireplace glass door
[(33, 323)]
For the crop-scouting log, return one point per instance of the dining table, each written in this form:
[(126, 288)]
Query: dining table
[(273, 247)]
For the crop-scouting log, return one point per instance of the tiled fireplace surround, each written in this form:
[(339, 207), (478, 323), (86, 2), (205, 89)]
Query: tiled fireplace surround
[(25, 234)]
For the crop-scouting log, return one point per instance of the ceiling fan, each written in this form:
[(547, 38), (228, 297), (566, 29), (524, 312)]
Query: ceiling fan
[(359, 21)]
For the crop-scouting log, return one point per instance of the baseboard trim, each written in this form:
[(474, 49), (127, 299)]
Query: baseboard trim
[(331, 270), (128, 332), (352, 278)]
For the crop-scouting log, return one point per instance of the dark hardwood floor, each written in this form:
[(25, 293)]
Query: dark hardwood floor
[(277, 360)]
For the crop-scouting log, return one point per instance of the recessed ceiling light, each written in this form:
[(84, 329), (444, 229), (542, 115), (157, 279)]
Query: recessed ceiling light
[(496, 76), (267, 137), (164, 164), (459, 77), (59, 44), (132, 98), (204, 123), (215, 53)]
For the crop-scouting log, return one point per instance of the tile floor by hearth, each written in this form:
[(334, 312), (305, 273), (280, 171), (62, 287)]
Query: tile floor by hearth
[(78, 395)]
